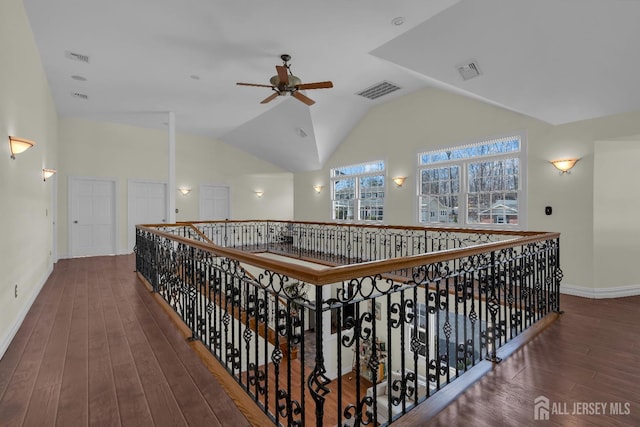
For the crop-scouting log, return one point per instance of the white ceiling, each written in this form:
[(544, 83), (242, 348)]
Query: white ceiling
[(555, 60)]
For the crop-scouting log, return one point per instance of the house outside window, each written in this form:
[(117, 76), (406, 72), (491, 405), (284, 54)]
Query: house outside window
[(479, 185), (357, 192)]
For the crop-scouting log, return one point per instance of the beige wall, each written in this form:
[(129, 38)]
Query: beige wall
[(398, 130), (92, 149), (616, 210), (26, 110)]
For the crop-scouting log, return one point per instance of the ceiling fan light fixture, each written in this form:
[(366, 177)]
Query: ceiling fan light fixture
[(285, 83), (293, 81)]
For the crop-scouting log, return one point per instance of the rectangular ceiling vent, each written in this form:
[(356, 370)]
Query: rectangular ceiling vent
[(469, 69), (378, 90), (77, 56), (79, 95)]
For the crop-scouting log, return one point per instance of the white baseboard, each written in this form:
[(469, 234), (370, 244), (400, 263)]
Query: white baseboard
[(6, 340), (600, 293), (122, 252)]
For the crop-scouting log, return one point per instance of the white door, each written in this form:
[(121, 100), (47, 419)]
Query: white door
[(214, 202), (92, 218), (147, 205)]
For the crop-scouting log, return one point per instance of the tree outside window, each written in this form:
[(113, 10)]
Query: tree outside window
[(358, 192), (479, 184)]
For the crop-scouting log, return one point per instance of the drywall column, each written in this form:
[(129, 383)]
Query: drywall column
[(171, 192)]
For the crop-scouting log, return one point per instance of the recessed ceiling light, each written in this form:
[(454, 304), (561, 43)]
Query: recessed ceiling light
[(79, 78), (399, 20), (194, 77)]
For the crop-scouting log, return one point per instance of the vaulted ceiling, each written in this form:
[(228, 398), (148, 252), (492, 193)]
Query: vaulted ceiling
[(554, 60)]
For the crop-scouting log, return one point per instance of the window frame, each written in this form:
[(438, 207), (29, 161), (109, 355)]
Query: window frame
[(357, 200), (429, 331), (463, 193)]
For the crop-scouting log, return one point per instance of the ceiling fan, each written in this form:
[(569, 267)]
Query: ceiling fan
[(285, 83)]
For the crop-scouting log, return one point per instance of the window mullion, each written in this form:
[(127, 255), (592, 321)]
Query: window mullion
[(463, 200), (356, 199)]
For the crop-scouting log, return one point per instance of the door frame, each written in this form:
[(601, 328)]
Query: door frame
[(116, 210), (54, 218), (131, 238), (200, 204)]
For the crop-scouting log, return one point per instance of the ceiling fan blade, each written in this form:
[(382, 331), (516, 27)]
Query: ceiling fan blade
[(317, 85), (283, 76), (270, 98), (303, 98), (253, 84)]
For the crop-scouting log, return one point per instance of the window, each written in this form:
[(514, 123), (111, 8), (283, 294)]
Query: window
[(479, 184), (420, 332), (357, 192), (463, 331)]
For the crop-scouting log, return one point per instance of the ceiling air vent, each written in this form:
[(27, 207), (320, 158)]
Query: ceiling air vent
[(79, 95), (378, 90), (469, 69), (77, 56)]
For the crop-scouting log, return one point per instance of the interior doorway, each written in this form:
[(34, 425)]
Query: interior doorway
[(92, 216), (214, 202), (147, 204)]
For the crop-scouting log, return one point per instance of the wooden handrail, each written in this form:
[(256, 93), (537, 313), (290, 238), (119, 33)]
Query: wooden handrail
[(329, 275), (200, 233), (362, 225)]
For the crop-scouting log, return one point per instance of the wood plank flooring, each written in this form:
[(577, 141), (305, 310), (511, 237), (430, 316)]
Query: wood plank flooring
[(95, 349)]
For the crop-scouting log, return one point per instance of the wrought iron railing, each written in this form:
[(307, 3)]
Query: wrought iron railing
[(391, 314)]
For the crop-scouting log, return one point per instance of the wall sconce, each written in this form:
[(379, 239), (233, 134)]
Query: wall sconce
[(318, 188), (564, 166), (18, 145), (48, 173), (399, 180), (259, 194), (184, 190)]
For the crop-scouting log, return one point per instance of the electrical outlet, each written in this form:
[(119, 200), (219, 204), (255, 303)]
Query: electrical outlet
[(16, 292)]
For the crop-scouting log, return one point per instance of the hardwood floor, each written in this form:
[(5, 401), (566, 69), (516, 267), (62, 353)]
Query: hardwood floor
[(97, 349)]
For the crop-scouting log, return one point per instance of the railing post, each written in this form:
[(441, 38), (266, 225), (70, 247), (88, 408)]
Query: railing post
[(192, 292), (156, 263), (493, 305), (266, 235), (317, 381), (348, 244), (557, 278)]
